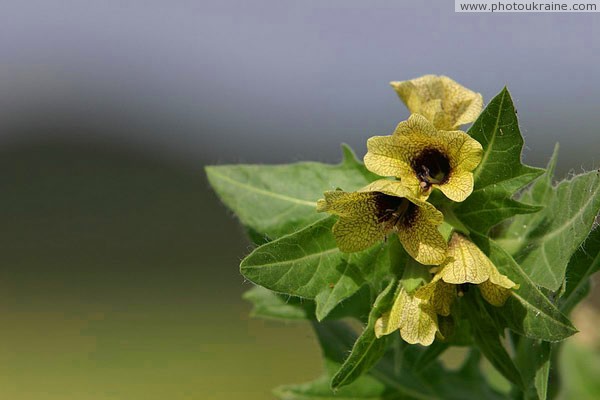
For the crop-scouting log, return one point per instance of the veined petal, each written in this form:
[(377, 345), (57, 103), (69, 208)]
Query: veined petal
[(466, 151), (420, 324), (415, 319), (439, 294), (423, 158), (358, 227), (389, 187), (458, 187), (466, 263), (441, 100), (494, 294), (501, 280), (387, 157), (391, 320), (420, 236), (416, 125)]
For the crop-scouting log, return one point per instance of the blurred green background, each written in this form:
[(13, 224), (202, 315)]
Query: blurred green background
[(119, 276), (120, 281)]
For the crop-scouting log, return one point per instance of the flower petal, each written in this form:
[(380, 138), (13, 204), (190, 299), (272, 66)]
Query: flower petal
[(416, 320), (441, 100), (416, 125), (421, 237), (391, 188), (387, 157), (458, 187), (416, 148), (391, 320), (358, 227), (439, 294), (494, 294), (501, 280), (420, 323), (466, 263)]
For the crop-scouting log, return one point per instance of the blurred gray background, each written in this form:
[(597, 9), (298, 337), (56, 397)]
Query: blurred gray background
[(119, 275)]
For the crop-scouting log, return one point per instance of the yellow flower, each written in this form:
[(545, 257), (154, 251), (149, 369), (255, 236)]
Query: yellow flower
[(414, 317), (385, 206), (441, 100), (466, 264), (424, 158)]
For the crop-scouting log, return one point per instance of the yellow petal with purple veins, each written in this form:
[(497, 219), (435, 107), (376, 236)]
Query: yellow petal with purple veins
[(421, 324), (466, 263), (420, 236), (494, 294), (389, 187), (358, 227), (424, 158), (416, 124), (387, 157), (439, 294), (458, 187), (441, 100), (415, 319)]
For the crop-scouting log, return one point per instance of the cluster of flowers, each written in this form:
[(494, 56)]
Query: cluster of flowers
[(424, 153)]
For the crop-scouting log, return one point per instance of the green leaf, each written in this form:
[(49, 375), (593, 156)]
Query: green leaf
[(551, 238), (528, 311), (500, 173), (487, 338), (274, 200), (584, 263), (336, 338), (430, 355), (309, 264), (268, 304), (365, 387), (540, 193), (368, 349), (533, 358), (400, 375)]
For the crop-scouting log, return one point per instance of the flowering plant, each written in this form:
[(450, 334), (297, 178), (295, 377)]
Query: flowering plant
[(441, 239)]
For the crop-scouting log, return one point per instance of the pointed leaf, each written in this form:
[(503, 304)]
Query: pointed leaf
[(368, 349), (540, 194), (308, 264), (584, 263), (365, 387), (336, 338), (500, 173), (545, 249), (268, 304), (274, 200)]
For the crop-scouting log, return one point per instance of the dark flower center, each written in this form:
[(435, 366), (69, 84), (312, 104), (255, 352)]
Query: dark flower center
[(431, 166), (393, 211), (463, 288)]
